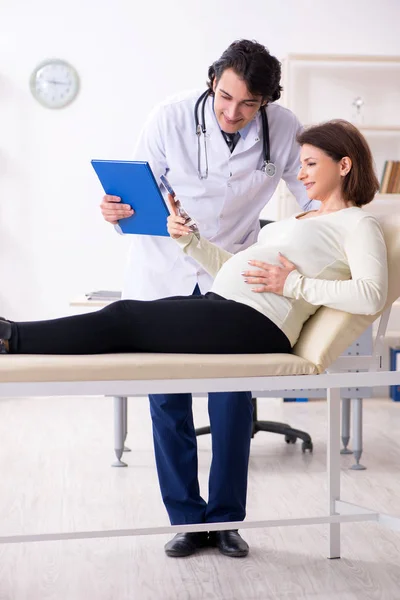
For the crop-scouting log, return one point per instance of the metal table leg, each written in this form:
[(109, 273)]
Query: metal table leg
[(119, 429), (346, 425), (357, 407)]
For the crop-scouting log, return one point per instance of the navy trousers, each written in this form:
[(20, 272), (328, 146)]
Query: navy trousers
[(175, 448)]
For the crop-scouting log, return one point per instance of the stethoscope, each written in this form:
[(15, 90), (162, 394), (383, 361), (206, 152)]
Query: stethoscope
[(268, 167)]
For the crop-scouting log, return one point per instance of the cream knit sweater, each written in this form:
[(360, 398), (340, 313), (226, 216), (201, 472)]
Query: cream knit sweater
[(340, 259)]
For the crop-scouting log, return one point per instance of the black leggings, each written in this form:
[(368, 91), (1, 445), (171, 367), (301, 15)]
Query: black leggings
[(187, 324)]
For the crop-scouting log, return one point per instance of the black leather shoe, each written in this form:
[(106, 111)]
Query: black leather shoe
[(5, 335), (185, 544), (5, 329), (229, 543)]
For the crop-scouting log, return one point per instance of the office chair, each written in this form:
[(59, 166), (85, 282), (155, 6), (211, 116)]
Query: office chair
[(289, 432)]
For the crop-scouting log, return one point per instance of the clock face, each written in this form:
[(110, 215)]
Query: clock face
[(54, 83)]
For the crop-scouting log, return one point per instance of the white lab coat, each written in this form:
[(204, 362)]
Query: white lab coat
[(226, 205)]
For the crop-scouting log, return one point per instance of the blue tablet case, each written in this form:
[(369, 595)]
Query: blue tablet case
[(134, 182)]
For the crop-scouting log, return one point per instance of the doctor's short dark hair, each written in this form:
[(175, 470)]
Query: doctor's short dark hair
[(254, 64), (339, 138)]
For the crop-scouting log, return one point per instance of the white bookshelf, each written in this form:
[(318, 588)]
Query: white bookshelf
[(321, 87)]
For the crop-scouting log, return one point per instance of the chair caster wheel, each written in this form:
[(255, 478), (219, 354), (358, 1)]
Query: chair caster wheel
[(307, 446), (290, 439)]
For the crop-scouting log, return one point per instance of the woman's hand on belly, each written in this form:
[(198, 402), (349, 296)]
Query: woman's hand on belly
[(267, 277)]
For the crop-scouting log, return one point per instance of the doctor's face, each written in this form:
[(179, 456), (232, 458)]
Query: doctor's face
[(234, 106)]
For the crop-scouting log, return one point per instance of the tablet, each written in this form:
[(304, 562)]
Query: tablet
[(134, 182)]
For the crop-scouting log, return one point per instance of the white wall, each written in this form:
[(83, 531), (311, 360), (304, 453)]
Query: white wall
[(129, 54)]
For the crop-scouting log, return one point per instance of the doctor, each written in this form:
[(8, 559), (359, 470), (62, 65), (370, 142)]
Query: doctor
[(224, 151)]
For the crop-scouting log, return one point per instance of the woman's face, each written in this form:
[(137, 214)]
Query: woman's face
[(321, 175)]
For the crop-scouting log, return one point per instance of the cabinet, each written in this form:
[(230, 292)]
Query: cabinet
[(322, 87)]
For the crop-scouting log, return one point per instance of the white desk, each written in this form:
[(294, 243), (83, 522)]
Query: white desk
[(81, 304)]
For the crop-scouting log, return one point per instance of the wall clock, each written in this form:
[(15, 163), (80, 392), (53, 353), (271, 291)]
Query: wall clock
[(54, 83)]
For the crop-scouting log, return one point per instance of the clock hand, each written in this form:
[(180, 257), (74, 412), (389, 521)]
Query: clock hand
[(55, 82)]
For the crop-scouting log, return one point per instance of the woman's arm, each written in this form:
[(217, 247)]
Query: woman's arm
[(365, 293), (207, 254)]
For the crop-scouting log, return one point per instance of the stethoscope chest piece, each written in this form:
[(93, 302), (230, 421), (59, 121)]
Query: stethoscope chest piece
[(269, 169)]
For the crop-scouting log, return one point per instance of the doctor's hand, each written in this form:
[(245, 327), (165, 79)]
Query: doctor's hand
[(176, 224), (113, 209), (267, 277)]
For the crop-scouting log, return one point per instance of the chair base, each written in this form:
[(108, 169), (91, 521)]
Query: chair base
[(285, 429)]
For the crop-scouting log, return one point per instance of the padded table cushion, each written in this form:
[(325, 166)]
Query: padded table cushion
[(148, 366), (328, 333)]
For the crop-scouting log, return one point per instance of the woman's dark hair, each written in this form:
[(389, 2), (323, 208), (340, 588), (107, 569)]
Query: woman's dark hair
[(339, 138), (253, 63)]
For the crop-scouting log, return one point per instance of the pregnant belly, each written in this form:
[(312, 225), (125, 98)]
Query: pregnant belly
[(230, 278)]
